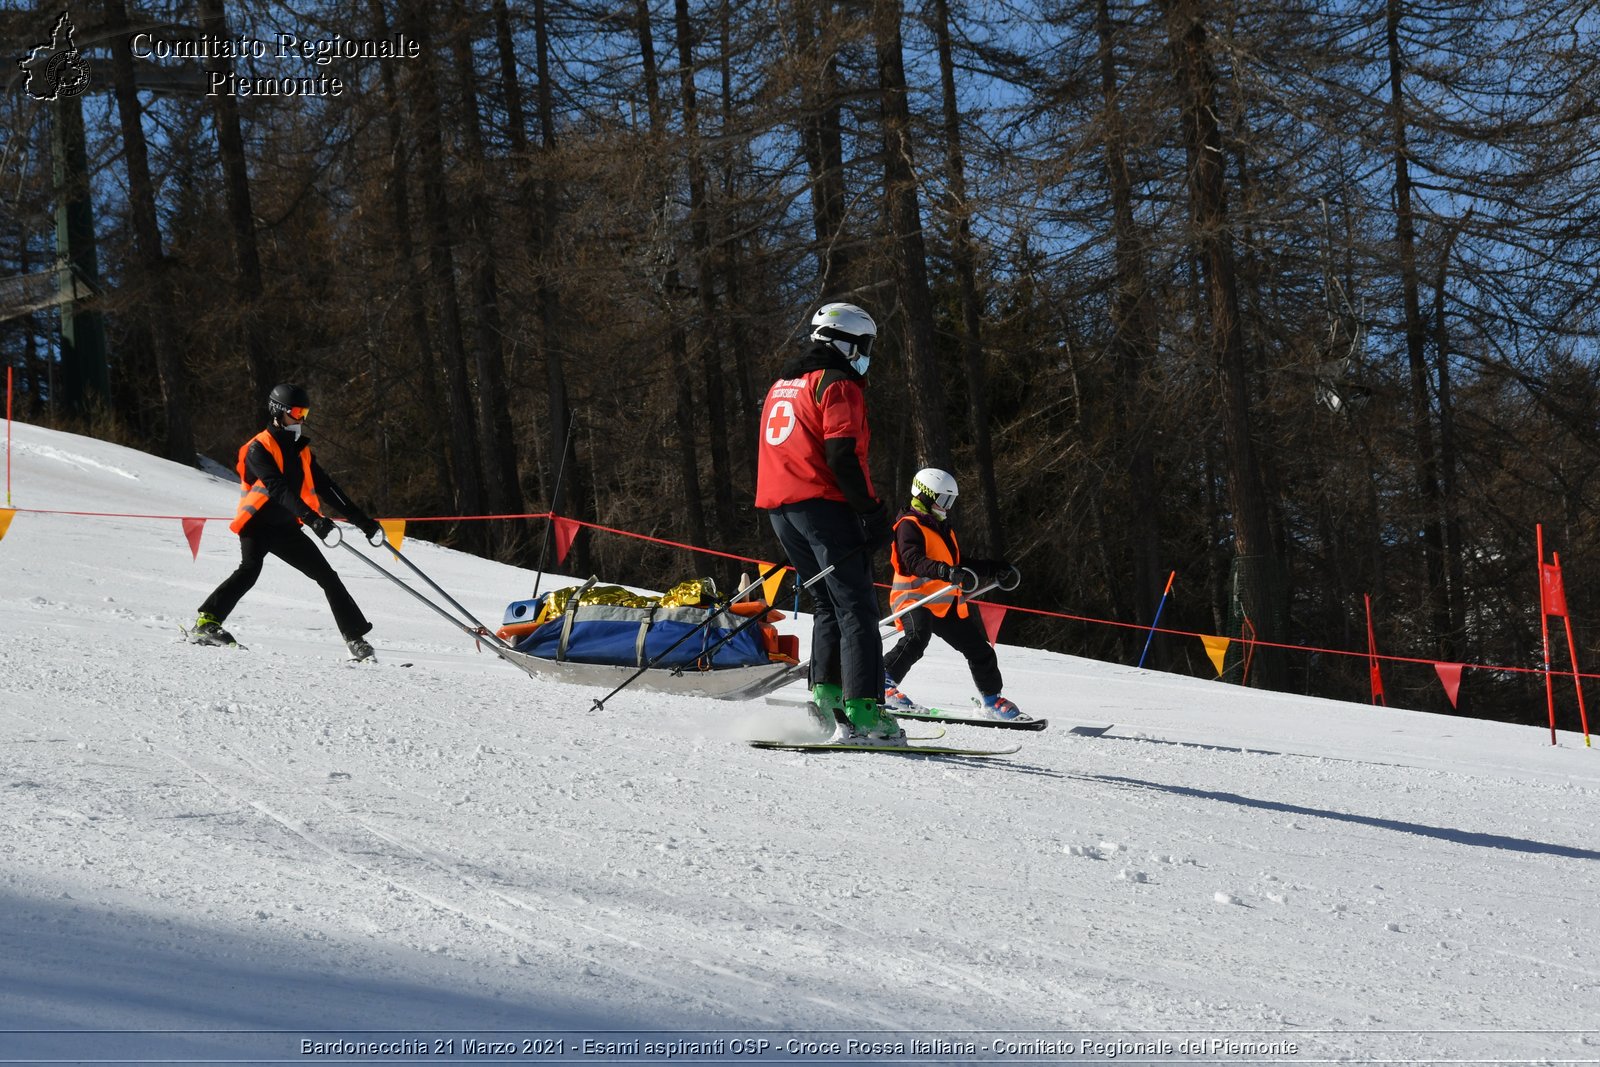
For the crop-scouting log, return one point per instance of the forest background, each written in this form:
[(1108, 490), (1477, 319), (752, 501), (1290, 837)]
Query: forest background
[(1296, 300)]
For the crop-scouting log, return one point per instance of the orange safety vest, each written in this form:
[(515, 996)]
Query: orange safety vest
[(252, 497), (908, 589)]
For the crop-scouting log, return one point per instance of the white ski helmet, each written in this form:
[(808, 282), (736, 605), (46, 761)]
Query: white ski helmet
[(935, 491), (847, 328)]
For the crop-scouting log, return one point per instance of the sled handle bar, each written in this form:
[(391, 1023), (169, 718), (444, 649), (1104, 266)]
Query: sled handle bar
[(496, 646)]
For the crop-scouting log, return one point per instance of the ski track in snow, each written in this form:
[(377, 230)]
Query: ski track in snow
[(211, 838)]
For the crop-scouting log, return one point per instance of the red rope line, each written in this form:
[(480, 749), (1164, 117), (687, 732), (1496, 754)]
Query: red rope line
[(1415, 660)]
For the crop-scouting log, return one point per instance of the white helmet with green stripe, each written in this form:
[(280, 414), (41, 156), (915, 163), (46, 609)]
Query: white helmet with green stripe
[(934, 491)]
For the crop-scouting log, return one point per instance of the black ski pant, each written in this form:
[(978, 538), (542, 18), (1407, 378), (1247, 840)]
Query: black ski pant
[(845, 648), (966, 636), (296, 548)]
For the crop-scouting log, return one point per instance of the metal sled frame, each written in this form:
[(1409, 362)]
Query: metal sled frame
[(724, 683)]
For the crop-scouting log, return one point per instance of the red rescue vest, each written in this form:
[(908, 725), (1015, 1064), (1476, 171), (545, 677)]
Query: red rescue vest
[(797, 421), (252, 497), (908, 589)]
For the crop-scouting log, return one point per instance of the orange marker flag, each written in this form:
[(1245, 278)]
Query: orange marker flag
[(394, 531), (6, 515), (1450, 678), (192, 529), (773, 583), (1217, 650), (993, 615)]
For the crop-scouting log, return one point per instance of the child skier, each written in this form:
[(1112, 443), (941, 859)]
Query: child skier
[(927, 561)]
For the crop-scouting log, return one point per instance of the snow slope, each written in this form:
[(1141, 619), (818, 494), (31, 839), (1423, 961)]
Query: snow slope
[(209, 854)]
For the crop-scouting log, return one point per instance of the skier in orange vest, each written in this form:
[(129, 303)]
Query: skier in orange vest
[(927, 563), (281, 488)]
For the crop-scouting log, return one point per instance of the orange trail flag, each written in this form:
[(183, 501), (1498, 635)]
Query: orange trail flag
[(6, 515), (192, 529), (773, 582), (1217, 650), (394, 531)]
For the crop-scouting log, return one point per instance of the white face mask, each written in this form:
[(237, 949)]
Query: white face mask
[(860, 363), (295, 429)]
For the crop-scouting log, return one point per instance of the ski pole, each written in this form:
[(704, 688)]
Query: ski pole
[(599, 705), (555, 502)]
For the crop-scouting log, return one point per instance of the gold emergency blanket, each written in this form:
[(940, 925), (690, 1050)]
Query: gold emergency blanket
[(695, 592)]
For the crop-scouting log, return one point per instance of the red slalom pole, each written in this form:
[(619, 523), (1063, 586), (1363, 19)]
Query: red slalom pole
[(1572, 650), (1374, 670), (1544, 626)]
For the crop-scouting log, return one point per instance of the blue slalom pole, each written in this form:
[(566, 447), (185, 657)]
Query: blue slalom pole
[(1157, 620)]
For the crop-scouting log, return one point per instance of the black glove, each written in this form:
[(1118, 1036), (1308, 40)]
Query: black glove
[(321, 526), (964, 578), (877, 528), (367, 525), (1007, 576)]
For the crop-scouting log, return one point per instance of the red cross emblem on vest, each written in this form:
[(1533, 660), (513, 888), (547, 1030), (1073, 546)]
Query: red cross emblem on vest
[(780, 422)]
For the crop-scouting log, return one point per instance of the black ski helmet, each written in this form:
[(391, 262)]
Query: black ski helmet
[(286, 396)]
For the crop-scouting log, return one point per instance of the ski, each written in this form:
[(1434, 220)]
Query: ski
[(923, 714), (936, 735), (941, 715), (906, 750)]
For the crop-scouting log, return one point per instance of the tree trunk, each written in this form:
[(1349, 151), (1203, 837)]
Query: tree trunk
[(179, 440), (670, 283), (1133, 343), (517, 133), (822, 143), (712, 325), (496, 439), (1427, 473), (1257, 581), (729, 267), (1455, 570), (412, 294), (442, 270), (964, 259), (924, 382), (567, 496), (260, 363)]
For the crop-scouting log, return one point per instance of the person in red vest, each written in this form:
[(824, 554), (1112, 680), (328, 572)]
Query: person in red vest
[(927, 563), (281, 488), (814, 481)]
